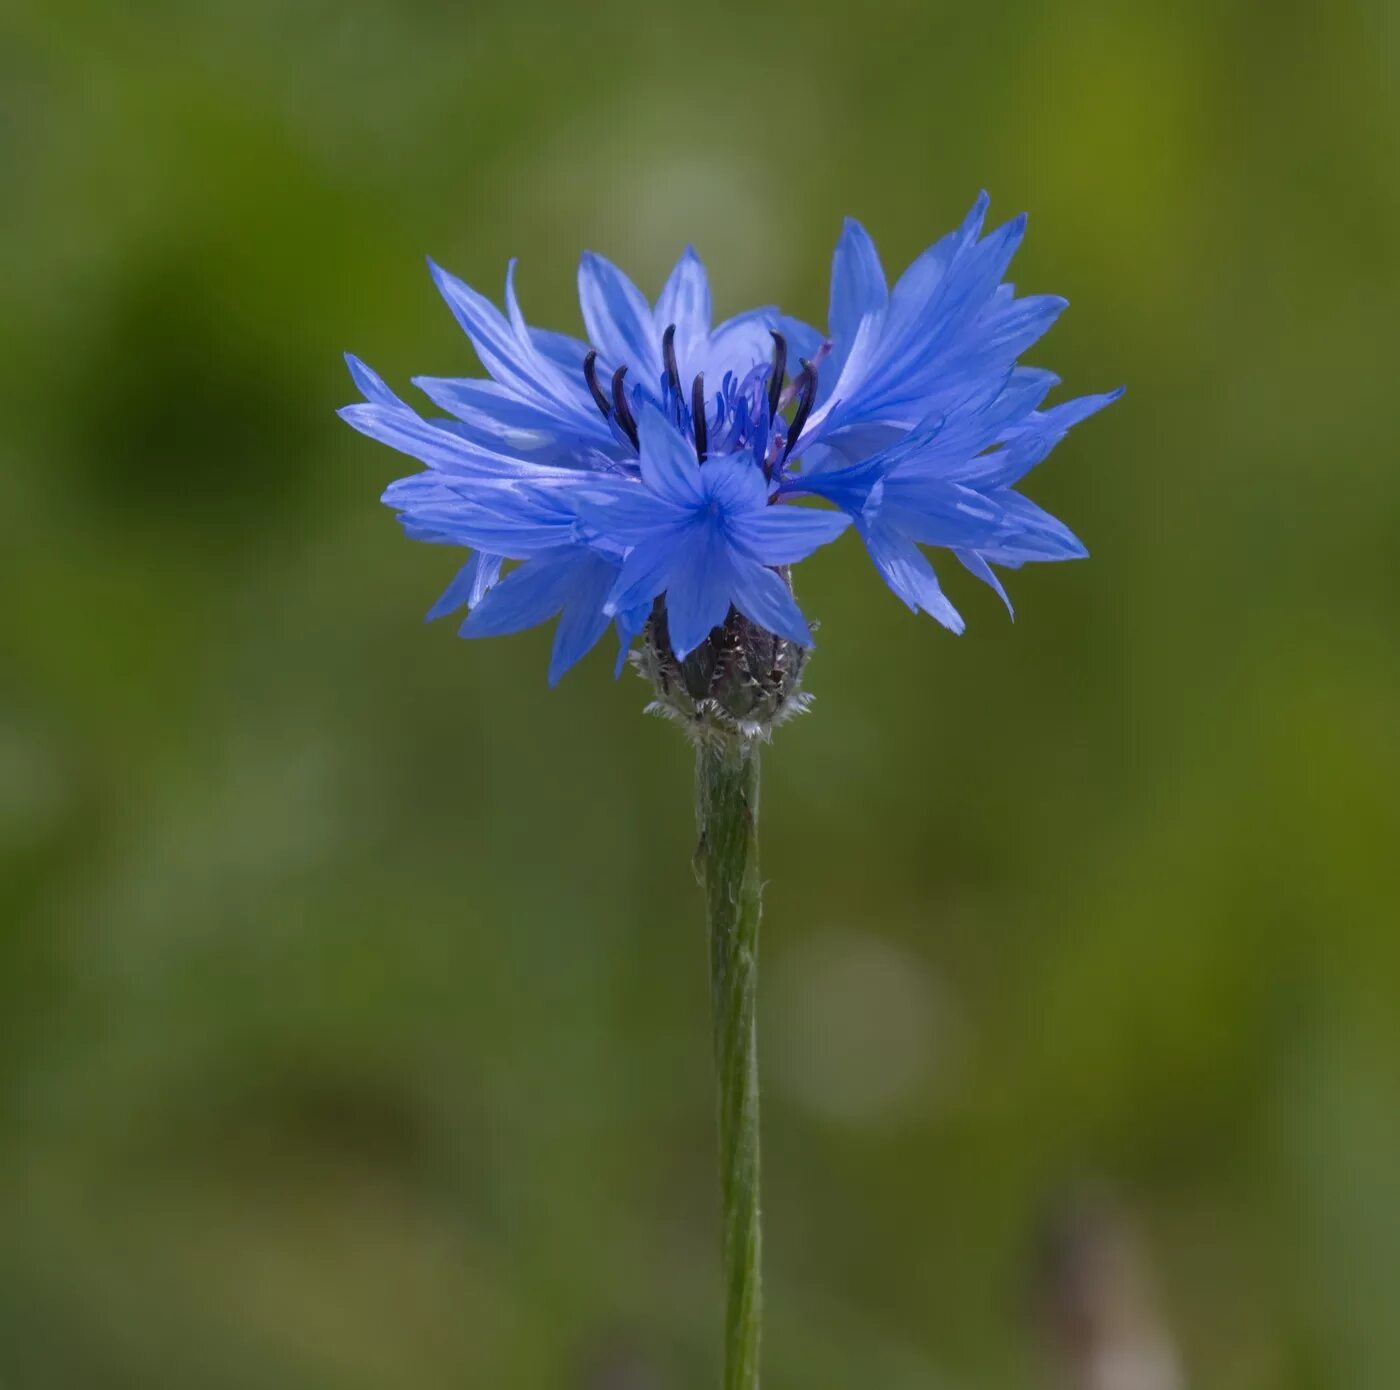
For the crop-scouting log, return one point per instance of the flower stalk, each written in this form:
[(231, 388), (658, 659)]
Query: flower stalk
[(726, 859)]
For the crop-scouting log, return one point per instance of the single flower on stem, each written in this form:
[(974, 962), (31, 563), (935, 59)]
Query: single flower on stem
[(664, 477)]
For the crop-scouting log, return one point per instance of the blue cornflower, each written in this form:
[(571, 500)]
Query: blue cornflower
[(646, 477)]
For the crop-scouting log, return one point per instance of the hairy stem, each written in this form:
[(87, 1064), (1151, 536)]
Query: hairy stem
[(726, 805)]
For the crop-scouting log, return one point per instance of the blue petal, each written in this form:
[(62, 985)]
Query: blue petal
[(645, 572), (1032, 442), (975, 564), (958, 299), (618, 318), (1009, 331), (968, 428), (669, 466), (583, 621), (698, 594), (934, 512), (916, 287), (784, 535), (734, 485), (498, 416), (571, 584), (510, 361), (685, 302), (738, 344), (626, 511), (905, 568), (848, 488), (1059, 419), (369, 383), (565, 352), (471, 584), (1037, 534), (503, 519), (440, 448), (418, 490), (858, 288), (762, 597), (482, 531), (862, 358), (526, 597)]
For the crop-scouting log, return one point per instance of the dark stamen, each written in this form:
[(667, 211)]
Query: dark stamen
[(806, 394), (673, 371), (590, 375), (775, 381), (697, 415), (626, 421)]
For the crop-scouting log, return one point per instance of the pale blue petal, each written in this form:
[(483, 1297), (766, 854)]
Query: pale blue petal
[(565, 352), (959, 298), (471, 584), (443, 449), (626, 511), (369, 383), (564, 392), (685, 302), (500, 351), (975, 564), (1059, 419), (916, 287), (862, 358), (618, 318), (484, 530), (457, 593), (514, 425), (1008, 331), (418, 490), (737, 345), (858, 288)]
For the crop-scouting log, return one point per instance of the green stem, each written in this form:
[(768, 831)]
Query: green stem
[(726, 807)]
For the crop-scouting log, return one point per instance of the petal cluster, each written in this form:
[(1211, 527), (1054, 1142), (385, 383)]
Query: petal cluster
[(667, 462)]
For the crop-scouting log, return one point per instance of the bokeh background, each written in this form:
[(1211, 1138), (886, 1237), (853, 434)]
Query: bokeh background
[(353, 1015)]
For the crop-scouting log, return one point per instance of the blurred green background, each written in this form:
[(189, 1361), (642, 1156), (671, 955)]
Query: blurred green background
[(353, 1014)]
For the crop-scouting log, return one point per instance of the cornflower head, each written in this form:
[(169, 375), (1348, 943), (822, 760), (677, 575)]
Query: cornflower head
[(665, 475)]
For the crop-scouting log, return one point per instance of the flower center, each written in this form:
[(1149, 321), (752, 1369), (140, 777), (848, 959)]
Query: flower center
[(748, 410)]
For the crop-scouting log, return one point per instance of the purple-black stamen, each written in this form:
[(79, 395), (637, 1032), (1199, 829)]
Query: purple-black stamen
[(673, 371), (779, 373), (590, 375), (626, 421), (806, 394), (697, 416)]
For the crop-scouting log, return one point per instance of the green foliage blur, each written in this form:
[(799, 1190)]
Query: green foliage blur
[(353, 1012)]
